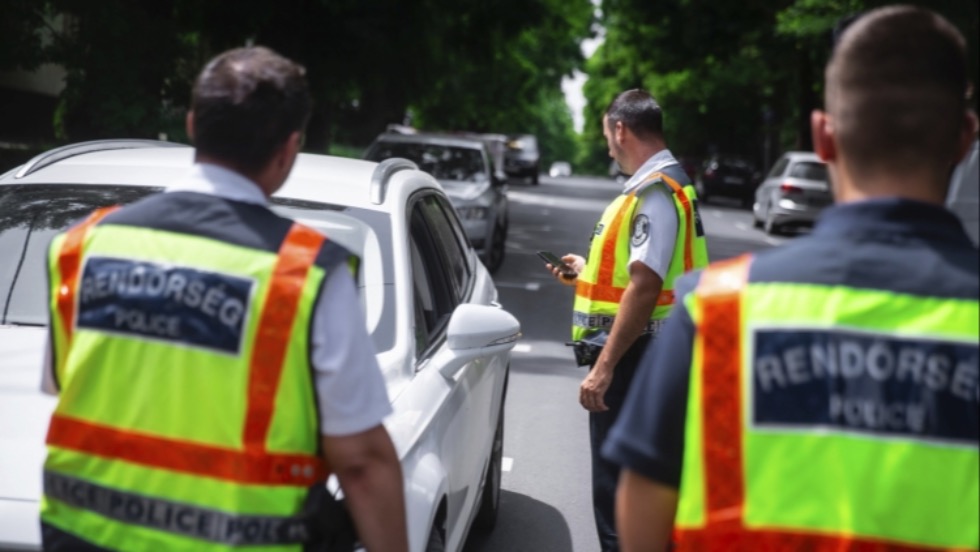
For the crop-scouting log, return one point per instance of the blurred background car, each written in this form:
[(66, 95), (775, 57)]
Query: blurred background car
[(963, 191), (464, 168), (431, 309), (522, 159), (794, 192), (726, 176), (560, 169)]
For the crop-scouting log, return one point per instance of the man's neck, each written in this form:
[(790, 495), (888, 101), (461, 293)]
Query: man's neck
[(643, 152), (210, 160)]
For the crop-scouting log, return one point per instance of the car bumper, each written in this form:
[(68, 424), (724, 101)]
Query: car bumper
[(478, 232), (788, 211)]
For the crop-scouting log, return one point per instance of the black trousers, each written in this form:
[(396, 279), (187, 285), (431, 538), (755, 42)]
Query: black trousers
[(605, 475)]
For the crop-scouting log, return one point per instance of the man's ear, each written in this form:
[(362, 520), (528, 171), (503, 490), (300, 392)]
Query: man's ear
[(822, 129), (189, 125), (620, 132)]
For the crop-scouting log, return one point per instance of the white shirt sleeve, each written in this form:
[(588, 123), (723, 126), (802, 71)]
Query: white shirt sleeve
[(654, 229), (350, 387)]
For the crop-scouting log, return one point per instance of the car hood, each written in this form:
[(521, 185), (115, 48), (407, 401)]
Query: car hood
[(464, 191), (24, 412)]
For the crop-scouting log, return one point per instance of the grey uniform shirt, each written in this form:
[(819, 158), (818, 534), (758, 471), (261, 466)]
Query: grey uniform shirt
[(350, 388), (654, 226)]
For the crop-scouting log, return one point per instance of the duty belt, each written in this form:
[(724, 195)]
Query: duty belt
[(605, 322)]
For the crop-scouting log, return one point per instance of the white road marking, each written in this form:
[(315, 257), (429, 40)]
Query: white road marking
[(530, 286), (522, 348), (506, 464), (741, 226), (774, 241)]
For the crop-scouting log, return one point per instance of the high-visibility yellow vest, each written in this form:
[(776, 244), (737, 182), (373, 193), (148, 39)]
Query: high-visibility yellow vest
[(191, 422), (602, 282), (828, 418)]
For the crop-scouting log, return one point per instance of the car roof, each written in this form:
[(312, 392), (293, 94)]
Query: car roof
[(802, 156), (435, 139), (313, 178)]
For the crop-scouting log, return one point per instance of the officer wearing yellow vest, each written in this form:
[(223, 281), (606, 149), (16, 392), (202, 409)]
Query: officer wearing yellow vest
[(824, 395), (646, 238), (217, 431)]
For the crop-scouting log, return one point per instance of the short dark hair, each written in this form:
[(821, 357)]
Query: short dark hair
[(246, 102), (896, 90), (638, 111)]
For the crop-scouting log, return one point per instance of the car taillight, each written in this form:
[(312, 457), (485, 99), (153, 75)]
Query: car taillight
[(788, 189)]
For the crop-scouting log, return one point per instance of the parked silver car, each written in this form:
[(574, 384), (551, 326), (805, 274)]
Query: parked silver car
[(794, 192), (464, 168)]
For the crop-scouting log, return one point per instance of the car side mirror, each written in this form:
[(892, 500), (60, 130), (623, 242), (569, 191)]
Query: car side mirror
[(476, 331)]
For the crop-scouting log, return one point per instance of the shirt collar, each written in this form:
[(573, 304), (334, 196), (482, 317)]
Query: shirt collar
[(890, 216), (660, 160), (218, 181)]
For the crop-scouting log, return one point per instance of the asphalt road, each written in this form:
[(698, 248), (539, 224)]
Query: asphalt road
[(545, 501)]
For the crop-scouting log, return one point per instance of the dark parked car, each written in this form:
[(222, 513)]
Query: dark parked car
[(728, 176), (522, 158)]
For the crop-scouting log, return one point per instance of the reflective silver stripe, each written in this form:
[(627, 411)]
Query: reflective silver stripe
[(175, 517), (605, 322)]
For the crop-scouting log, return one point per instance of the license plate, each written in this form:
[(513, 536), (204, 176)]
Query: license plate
[(733, 180)]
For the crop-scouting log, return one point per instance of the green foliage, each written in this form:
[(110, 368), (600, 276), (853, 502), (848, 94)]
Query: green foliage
[(454, 64), (732, 77)]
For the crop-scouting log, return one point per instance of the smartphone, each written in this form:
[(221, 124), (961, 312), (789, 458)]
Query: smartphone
[(555, 261)]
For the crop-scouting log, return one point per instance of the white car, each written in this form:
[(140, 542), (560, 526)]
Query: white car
[(795, 192), (443, 341)]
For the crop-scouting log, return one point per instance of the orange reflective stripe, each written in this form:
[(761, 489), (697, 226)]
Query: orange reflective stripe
[(607, 263), (184, 456), (779, 540), (612, 294), (719, 295), (69, 261), (296, 255), (689, 215)]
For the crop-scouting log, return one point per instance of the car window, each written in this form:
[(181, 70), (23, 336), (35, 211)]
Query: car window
[(809, 171), (366, 234), (435, 211), (443, 162), (431, 281), (30, 216), (778, 168)]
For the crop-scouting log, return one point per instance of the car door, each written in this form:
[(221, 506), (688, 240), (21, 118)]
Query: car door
[(442, 273)]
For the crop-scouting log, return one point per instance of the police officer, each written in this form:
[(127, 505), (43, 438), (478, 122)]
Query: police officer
[(210, 357), (646, 238), (824, 396)]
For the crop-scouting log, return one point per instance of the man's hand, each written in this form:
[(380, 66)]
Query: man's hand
[(635, 308), (576, 262), (594, 387), (371, 476)]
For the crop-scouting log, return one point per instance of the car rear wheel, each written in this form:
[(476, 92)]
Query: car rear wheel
[(534, 178), (486, 517), (770, 226)]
